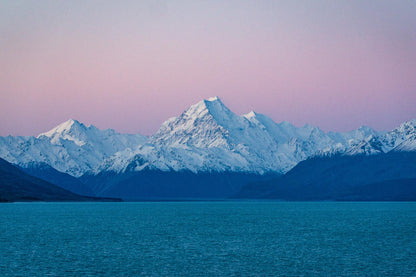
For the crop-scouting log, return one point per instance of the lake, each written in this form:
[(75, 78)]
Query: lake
[(208, 239)]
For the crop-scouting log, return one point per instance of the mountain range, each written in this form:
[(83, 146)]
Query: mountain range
[(206, 152), (386, 176)]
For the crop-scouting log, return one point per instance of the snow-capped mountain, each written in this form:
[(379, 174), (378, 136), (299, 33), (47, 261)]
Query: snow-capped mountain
[(403, 138), (347, 138), (210, 137), (71, 147), (366, 141), (210, 125), (108, 141), (369, 146), (207, 137)]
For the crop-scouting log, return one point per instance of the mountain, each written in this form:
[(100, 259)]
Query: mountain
[(71, 147), (347, 138), (342, 177), (403, 138), (293, 144), (208, 137), (206, 142), (46, 172), (15, 185)]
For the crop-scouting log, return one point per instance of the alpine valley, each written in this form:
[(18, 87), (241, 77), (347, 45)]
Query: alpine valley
[(209, 152)]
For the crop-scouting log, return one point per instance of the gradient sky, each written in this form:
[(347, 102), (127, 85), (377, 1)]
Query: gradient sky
[(130, 65)]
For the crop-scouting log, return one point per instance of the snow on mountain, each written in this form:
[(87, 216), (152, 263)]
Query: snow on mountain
[(282, 132), (401, 138), (366, 141), (198, 126), (350, 142), (208, 124), (210, 137), (369, 146), (348, 138), (107, 141), (207, 137), (69, 130), (408, 145), (71, 147)]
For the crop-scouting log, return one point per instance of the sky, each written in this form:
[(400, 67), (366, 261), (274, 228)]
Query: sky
[(130, 65)]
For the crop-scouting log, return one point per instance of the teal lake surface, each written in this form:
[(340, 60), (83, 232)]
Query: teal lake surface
[(208, 239)]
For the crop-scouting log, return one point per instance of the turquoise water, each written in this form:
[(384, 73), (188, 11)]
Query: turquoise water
[(208, 239)]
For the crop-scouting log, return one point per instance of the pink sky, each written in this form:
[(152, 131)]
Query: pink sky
[(130, 66)]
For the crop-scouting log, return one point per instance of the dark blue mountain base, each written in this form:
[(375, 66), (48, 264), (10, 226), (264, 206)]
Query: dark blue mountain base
[(162, 185), (16, 185), (391, 190), (384, 177), (60, 179)]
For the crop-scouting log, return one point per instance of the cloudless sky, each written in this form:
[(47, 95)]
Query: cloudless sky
[(130, 65)]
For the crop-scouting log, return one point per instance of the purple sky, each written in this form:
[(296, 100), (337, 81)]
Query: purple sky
[(130, 65)]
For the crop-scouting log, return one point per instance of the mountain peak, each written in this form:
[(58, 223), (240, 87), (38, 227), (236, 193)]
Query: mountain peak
[(63, 128), (212, 99), (251, 114), (308, 126), (68, 123), (212, 106), (213, 103), (411, 123), (286, 124), (69, 130), (365, 128), (207, 123)]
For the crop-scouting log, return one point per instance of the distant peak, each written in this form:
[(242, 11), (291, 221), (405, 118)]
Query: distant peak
[(63, 127), (410, 122), (209, 107), (365, 128), (210, 104), (308, 126), (407, 127), (285, 123), (212, 99), (251, 114), (69, 123)]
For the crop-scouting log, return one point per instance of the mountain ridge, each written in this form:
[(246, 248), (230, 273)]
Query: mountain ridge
[(16, 185), (206, 137), (340, 177)]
